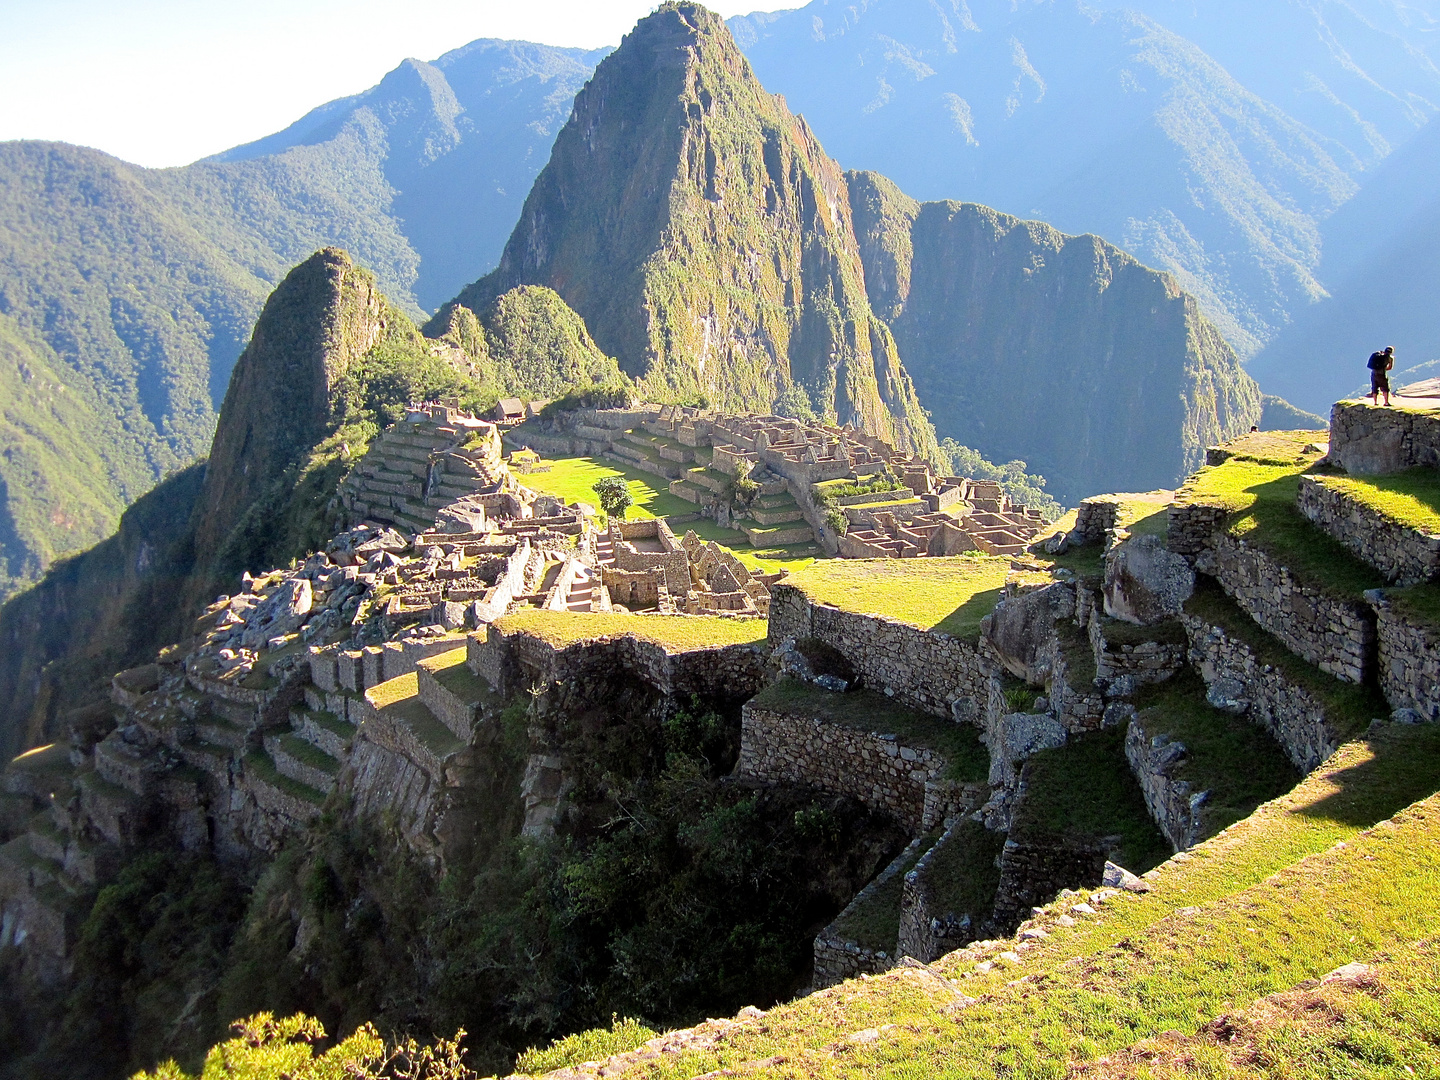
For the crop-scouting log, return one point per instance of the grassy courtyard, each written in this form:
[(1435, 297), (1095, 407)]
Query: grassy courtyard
[(950, 595), (673, 632), (573, 480)]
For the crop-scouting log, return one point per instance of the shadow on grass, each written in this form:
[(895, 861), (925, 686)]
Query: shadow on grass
[(1275, 525), (1404, 769), (964, 621)]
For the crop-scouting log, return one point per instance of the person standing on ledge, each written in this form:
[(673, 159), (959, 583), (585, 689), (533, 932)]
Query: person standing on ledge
[(1380, 365)]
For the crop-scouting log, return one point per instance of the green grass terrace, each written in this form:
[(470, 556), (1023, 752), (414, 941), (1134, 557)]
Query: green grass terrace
[(947, 595), (676, 633), (573, 480), (1260, 496)]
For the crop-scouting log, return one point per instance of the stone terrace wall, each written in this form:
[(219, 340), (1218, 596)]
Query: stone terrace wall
[(1290, 713), (1404, 556), (516, 661), (1189, 527), (1409, 663), (923, 669), (1370, 441), (927, 931), (838, 958), (1153, 758), (874, 767), (1337, 636)]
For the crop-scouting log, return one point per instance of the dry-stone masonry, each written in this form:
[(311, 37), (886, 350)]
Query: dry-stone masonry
[(1336, 635), (838, 956), (1370, 441), (1288, 711), (923, 669), (1154, 758), (877, 768), (1405, 556), (1409, 661)]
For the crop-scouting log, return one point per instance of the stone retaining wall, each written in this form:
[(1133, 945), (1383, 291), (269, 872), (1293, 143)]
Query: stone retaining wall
[(1404, 556), (1292, 715), (1369, 441), (926, 931), (1033, 871), (1154, 757), (1145, 662), (877, 768), (1409, 662), (1337, 636), (836, 957), (924, 669), (1190, 527)]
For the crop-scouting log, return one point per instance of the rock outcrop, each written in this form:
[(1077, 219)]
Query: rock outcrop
[(324, 315), (705, 237), (1145, 582), (1060, 350)]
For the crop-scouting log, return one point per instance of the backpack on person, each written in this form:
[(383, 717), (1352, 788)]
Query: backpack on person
[(1378, 361)]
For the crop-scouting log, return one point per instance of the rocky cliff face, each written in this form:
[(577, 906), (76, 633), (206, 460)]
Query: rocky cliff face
[(705, 237), (1061, 350), (322, 317)]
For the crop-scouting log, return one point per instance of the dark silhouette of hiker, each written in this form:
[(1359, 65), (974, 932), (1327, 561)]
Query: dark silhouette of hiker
[(1380, 365)]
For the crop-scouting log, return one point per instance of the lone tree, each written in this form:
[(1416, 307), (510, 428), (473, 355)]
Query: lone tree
[(614, 494)]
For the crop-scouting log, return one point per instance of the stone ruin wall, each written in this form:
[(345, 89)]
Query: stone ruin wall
[(1404, 556), (1337, 636), (1366, 441), (880, 770), (1175, 808), (1292, 715), (925, 931), (925, 670), (1409, 663)]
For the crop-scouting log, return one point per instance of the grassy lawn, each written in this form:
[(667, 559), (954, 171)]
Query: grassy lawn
[(674, 632), (573, 479), (1268, 903), (949, 595), (1410, 499), (1232, 758), (1348, 707), (1420, 603), (1261, 499), (959, 744), (1276, 447)]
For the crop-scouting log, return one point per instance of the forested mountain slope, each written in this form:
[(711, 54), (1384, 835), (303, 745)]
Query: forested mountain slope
[(143, 284), (1217, 165)]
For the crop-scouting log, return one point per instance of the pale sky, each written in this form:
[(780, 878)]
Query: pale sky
[(164, 82)]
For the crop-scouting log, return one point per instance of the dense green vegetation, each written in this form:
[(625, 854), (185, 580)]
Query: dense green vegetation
[(667, 894)]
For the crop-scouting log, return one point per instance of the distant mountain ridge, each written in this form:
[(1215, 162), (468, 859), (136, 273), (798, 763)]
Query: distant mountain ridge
[(138, 287), (1114, 123)]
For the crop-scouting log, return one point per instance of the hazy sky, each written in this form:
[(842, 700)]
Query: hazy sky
[(163, 82)]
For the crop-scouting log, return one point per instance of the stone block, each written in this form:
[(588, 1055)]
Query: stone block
[(1145, 583)]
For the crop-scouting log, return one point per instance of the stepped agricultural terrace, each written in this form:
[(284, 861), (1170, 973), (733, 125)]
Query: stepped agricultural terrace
[(853, 493), (1161, 714)]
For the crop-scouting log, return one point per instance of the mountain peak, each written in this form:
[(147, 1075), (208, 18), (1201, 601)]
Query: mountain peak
[(705, 237)]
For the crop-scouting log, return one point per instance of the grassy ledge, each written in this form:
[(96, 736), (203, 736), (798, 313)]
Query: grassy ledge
[(677, 633), (874, 923), (1410, 499), (1235, 760), (866, 710), (949, 595), (1348, 707), (1261, 499)]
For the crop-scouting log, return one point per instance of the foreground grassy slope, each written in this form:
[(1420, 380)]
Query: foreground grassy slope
[(1311, 881)]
